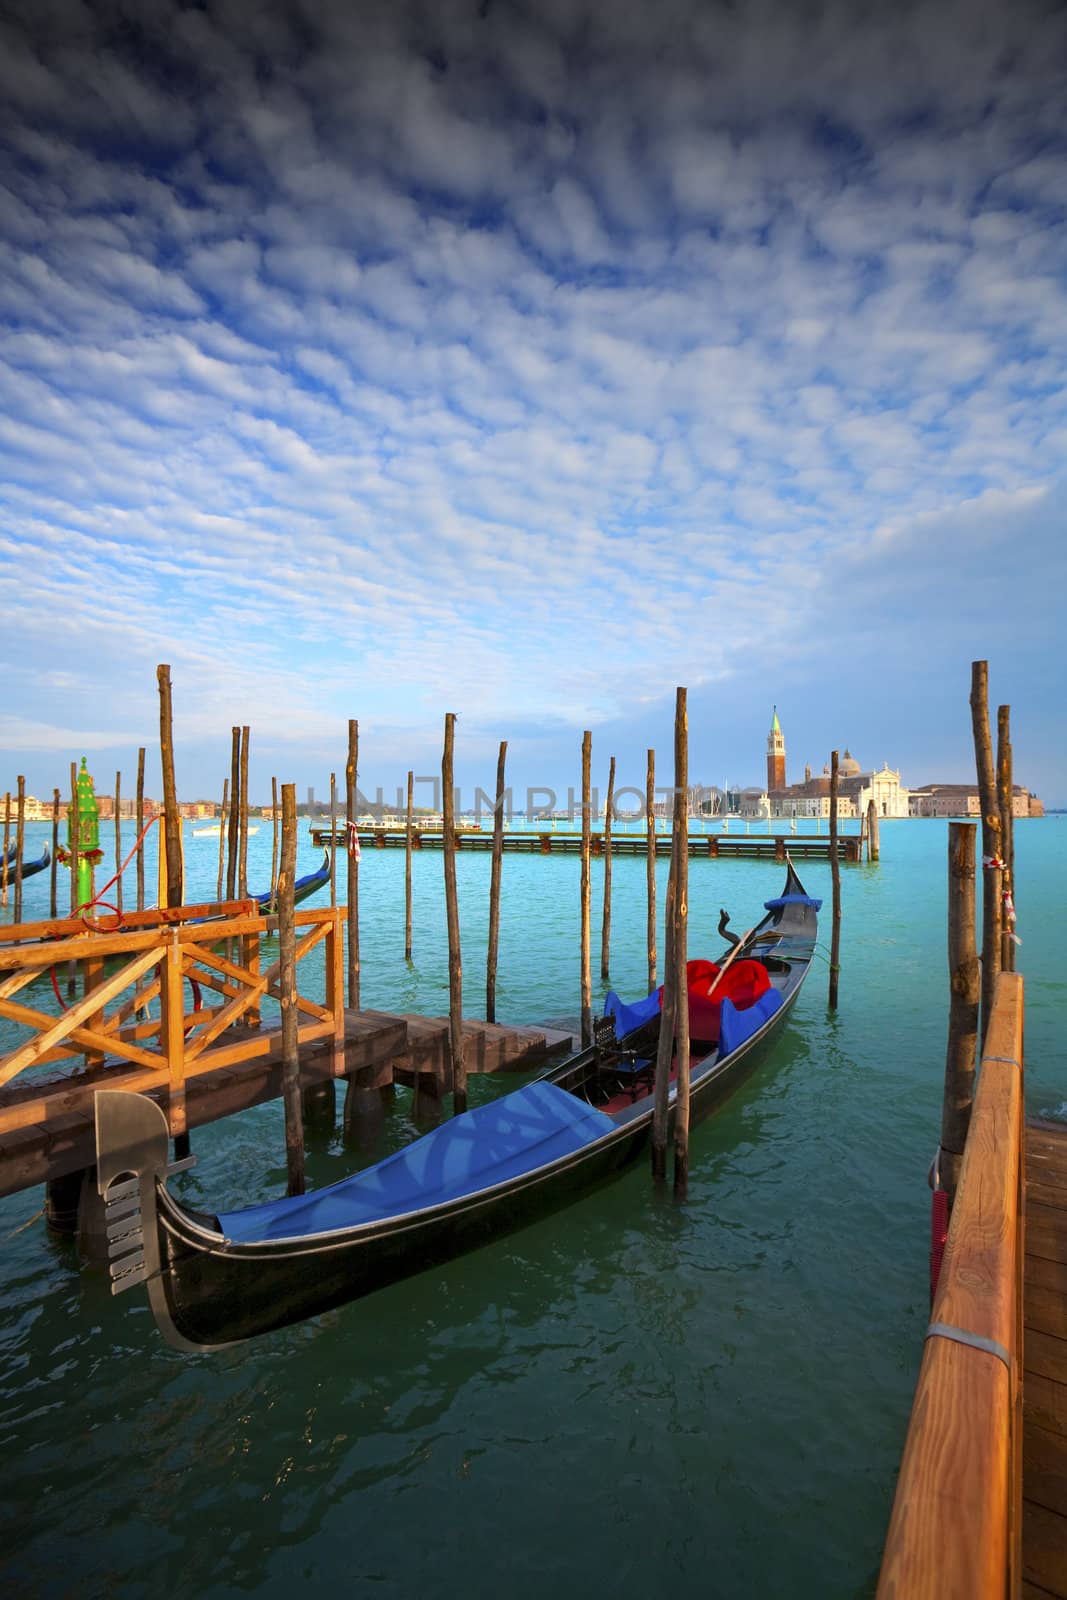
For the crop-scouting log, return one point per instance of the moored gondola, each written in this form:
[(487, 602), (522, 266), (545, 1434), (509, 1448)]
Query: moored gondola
[(214, 1280)]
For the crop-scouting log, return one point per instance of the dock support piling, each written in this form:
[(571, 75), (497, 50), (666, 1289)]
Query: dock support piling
[(665, 1047), (351, 773), (835, 880), (650, 864), (495, 874), (274, 845), (605, 928), (7, 847), (991, 839), (872, 831), (333, 838), (965, 991), (455, 958), (294, 1121), (681, 942), (586, 893)]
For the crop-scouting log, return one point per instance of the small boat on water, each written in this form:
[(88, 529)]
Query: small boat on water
[(29, 868), (214, 831), (213, 1280)]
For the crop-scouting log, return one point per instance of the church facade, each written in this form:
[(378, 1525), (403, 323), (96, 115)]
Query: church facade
[(856, 787)]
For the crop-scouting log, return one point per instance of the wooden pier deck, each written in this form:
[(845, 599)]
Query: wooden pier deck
[(1045, 1363), (981, 1503), (714, 846)]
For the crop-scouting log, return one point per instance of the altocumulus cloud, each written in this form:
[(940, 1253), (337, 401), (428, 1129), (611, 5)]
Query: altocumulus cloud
[(524, 360)]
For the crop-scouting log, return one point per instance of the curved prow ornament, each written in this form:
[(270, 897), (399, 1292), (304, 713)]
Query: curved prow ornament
[(132, 1150)]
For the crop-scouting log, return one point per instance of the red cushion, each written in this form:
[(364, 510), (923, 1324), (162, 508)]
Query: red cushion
[(743, 983)]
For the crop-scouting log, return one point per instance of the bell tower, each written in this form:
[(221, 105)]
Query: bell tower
[(775, 755)]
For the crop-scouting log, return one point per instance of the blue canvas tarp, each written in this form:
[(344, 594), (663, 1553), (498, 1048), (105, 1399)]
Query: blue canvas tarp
[(489, 1145)]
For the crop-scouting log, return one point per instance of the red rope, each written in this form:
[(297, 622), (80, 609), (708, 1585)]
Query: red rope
[(938, 1235)]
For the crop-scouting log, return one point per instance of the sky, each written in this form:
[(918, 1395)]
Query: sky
[(525, 361)]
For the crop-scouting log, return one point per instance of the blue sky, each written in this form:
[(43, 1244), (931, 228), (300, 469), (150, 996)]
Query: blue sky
[(525, 361)]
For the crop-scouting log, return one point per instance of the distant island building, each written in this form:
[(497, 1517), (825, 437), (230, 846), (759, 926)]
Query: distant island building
[(856, 788), (961, 800)]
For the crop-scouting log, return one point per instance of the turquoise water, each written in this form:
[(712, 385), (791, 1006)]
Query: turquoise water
[(629, 1396)]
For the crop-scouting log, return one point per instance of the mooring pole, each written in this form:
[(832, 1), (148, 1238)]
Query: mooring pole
[(242, 865), (964, 994), (140, 829), (1006, 797), (872, 831), (171, 819), (294, 1120), (650, 864), (665, 1046), (835, 880), (7, 847), (20, 841), (496, 873), (274, 845), (73, 835), (586, 891), (118, 842), (605, 928), (455, 959), (409, 825), (222, 836), (352, 840), (333, 838), (52, 902), (991, 840), (233, 831), (680, 849)]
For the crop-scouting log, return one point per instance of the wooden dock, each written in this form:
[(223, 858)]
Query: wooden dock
[(713, 846), (981, 1503), (139, 1021)]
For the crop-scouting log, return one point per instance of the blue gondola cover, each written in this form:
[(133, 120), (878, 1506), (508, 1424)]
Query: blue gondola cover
[(627, 1018), (793, 900), (489, 1145), (737, 1026)]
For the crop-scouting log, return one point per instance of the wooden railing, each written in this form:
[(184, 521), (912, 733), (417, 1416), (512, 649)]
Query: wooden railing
[(120, 974), (956, 1523)]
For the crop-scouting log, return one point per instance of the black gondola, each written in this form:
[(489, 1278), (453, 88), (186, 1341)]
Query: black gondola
[(303, 888), (29, 868), (215, 1280)]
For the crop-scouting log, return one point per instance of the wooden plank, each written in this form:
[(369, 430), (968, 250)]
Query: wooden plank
[(1045, 1468), (1046, 1355), (1045, 1403), (1046, 1311), (1041, 1273), (1044, 1548), (135, 921), (1047, 1193)]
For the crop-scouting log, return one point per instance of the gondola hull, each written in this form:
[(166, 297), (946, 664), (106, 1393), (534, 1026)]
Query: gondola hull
[(208, 1289)]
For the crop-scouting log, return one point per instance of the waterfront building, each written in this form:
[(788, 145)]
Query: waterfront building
[(856, 788), (962, 800)]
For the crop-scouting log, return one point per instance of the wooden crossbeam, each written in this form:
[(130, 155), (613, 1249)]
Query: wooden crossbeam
[(223, 1017), (63, 1027)]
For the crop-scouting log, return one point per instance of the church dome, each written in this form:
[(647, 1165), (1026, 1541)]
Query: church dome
[(848, 766)]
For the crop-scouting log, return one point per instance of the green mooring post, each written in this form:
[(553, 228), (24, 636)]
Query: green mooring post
[(87, 843)]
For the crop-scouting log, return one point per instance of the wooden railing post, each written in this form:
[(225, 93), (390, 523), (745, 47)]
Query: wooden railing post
[(335, 989), (172, 1033)]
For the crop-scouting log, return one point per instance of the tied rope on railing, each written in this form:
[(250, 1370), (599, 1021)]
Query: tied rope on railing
[(353, 841), (996, 863), (93, 924)]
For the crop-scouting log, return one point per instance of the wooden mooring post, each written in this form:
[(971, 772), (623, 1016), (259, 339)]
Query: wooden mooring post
[(52, 881), (455, 957), (496, 873), (650, 864), (665, 1047), (1006, 797), (680, 866), (242, 863), (171, 843), (409, 827), (294, 1119), (139, 801), (352, 841), (233, 830), (964, 991), (605, 927), (20, 844), (118, 842), (586, 892), (274, 845), (222, 836), (333, 838), (835, 880), (7, 847), (991, 839), (872, 831)]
